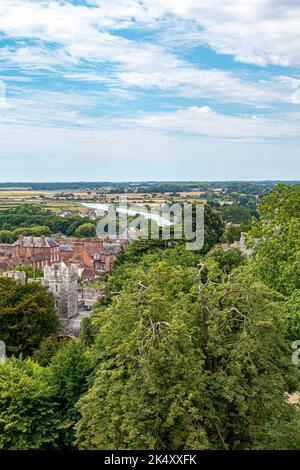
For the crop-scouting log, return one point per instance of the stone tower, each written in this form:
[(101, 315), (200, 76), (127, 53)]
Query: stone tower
[(61, 281)]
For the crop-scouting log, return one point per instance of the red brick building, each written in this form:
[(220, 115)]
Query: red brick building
[(33, 251), (92, 254)]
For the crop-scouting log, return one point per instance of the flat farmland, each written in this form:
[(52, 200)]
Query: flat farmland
[(71, 200), (47, 199)]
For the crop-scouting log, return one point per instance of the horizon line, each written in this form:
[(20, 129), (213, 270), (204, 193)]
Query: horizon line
[(153, 181)]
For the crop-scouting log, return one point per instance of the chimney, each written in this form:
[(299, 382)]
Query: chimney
[(43, 240), (21, 240)]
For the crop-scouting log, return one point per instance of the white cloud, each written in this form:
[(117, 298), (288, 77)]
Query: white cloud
[(58, 154), (68, 36), (58, 39), (203, 121), (87, 77), (215, 84), (32, 57), (2, 94), (41, 108), (254, 31), (48, 108)]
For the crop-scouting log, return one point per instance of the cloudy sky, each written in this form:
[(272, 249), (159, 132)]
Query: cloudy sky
[(149, 89)]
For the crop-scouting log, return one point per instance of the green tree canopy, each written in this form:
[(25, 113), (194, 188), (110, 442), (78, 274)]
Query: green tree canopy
[(86, 231), (36, 231), (238, 214), (30, 271), (28, 418), (182, 364), (27, 315), (6, 236), (68, 375), (277, 253), (222, 262)]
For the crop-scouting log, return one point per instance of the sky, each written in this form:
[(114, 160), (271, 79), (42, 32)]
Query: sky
[(129, 90)]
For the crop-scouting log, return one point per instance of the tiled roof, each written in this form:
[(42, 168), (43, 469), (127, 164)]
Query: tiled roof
[(66, 247), (111, 248), (37, 242), (93, 248), (5, 248)]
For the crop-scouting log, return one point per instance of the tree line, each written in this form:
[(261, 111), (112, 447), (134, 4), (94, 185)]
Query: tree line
[(36, 221)]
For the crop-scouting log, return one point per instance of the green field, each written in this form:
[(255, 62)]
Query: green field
[(47, 199)]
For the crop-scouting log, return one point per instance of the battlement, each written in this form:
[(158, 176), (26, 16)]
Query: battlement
[(60, 272)]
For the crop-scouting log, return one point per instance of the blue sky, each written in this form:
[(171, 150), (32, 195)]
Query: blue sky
[(149, 90)]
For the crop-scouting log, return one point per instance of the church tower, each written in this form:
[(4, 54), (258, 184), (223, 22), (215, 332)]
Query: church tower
[(61, 281)]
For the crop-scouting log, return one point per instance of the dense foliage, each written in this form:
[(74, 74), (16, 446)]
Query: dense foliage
[(28, 415), (33, 220), (186, 365), (238, 214), (277, 254), (186, 350), (86, 231), (27, 315)]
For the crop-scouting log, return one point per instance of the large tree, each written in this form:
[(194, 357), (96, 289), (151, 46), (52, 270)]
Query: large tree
[(277, 252), (28, 416), (68, 375), (185, 362), (27, 315), (86, 231)]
